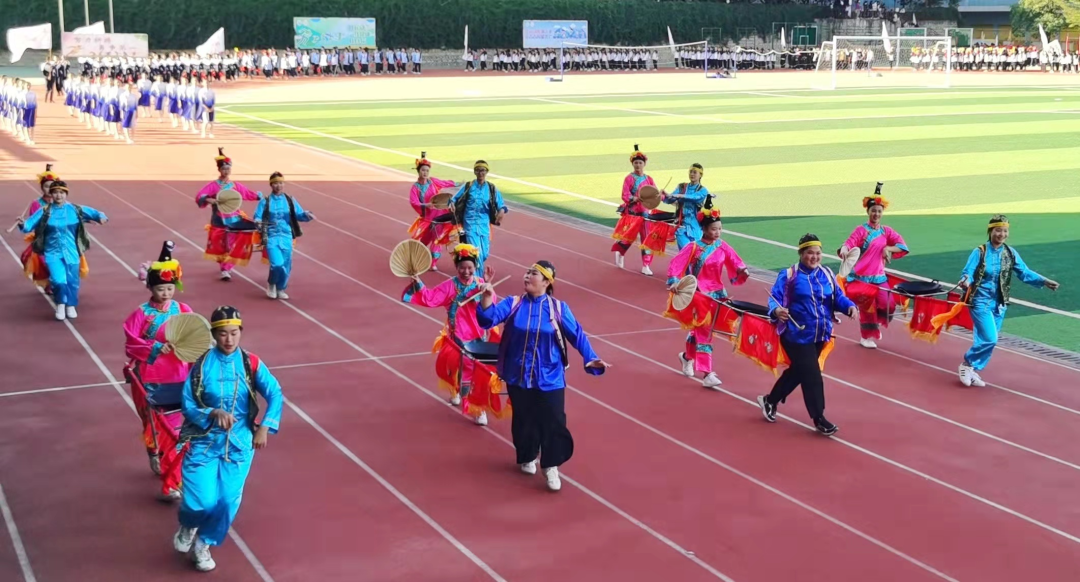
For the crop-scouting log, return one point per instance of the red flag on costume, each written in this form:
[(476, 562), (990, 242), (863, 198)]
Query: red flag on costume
[(900, 300), (167, 427), (727, 321), (925, 311), (447, 364), (958, 316), (759, 341), (487, 393)]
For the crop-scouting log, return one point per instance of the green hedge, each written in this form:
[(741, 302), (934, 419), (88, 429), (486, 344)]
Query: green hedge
[(420, 23)]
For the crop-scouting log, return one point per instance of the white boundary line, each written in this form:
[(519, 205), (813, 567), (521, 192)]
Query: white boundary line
[(56, 389), (855, 386), (16, 539), (255, 563), (595, 496), (642, 111), (612, 204), (820, 92), (663, 539)]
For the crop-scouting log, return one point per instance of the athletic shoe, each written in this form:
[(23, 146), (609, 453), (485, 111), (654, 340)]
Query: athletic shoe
[(481, 420), (271, 292), (868, 344), (455, 400), (60, 312), (529, 468), (976, 379), (226, 276), (155, 464), (687, 365), (619, 259), (711, 381), (966, 374), (553, 481), (200, 554), (767, 410), (283, 295), (71, 313), (183, 539), (645, 270), (825, 427)]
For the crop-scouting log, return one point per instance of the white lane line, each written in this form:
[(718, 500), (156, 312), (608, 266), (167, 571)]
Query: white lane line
[(259, 569), (56, 389), (16, 539), (641, 111)]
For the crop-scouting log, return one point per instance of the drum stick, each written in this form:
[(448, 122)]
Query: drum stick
[(476, 296), (20, 217), (781, 303)]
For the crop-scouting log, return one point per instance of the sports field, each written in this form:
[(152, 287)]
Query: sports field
[(781, 162)]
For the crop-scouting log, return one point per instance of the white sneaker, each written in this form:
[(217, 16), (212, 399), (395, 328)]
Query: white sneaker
[(200, 554), (645, 270), (687, 365), (271, 292), (172, 495), (61, 312), (155, 464), (185, 536), (711, 380), (966, 375), (226, 275), (282, 295), (553, 481), (619, 259), (455, 400), (868, 344), (481, 420), (529, 468), (976, 379), (71, 313)]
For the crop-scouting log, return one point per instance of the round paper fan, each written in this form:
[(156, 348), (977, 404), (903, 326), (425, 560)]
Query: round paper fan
[(684, 292), (229, 201), (410, 258), (650, 197), (441, 201), (189, 335)]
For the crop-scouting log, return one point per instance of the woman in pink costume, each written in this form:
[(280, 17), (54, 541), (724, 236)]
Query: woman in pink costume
[(432, 227), (632, 225), (230, 236)]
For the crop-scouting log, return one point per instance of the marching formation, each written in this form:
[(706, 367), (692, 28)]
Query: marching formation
[(197, 391)]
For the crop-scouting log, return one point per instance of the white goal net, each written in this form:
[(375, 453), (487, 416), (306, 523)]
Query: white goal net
[(868, 61)]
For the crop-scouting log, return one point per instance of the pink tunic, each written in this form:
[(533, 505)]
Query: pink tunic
[(212, 189), (630, 191), (447, 294), (421, 194), (144, 332), (871, 242), (34, 207), (707, 263)]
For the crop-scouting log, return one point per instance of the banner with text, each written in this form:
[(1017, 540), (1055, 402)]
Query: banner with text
[(75, 44), (324, 33), (553, 33)]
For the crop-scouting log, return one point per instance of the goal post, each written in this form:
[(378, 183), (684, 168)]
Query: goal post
[(865, 61)]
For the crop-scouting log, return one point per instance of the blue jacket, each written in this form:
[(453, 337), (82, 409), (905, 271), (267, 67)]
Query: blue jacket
[(530, 353), (813, 298)]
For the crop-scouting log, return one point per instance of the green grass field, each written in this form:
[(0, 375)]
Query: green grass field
[(781, 164)]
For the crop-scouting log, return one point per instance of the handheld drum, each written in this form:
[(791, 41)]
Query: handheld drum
[(650, 197)]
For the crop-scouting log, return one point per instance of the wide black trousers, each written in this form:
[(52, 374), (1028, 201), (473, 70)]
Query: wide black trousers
[(804, 370), (539, 426)]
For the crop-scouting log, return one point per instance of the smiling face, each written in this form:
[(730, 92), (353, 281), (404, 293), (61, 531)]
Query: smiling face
[(810, 257), (227, 338), (277, 187), (874, 213), (58, 196), (998, 235), (465, 270), (481, 174)]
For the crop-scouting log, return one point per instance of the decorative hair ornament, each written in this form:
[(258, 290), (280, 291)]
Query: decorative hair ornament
[(638, 155)]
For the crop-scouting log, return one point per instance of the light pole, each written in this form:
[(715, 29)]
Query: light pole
[(86, 10), (111, 27), (60, 4)]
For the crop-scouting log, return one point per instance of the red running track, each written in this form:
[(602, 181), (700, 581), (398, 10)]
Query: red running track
[(373, 477)]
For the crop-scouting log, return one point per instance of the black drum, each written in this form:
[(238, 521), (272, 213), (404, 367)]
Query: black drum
[(482, 351), (661, 216), (443, 218), (919, 288), (747, 307)]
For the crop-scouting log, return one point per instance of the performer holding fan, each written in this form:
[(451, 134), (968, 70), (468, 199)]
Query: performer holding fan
[(631, 225), (867, 284), (230, 233), (434, 225)]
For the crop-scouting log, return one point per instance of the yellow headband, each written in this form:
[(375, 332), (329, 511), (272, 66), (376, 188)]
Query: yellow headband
[(480, 165), (998, 225), (546, 272), (810, 243), (700, 170), (277, 180), (62, 188), (224, 322)]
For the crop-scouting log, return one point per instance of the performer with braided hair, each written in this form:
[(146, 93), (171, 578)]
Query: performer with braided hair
[(988, 278), (220, 411)]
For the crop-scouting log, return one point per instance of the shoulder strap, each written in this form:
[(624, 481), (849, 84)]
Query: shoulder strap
[(555, 312)]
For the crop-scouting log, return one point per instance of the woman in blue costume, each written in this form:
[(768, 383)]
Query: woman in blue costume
[(988, 274), (533, 361), (220, 408), (279, 216), (688, 199), (476, 206), (60, 236)]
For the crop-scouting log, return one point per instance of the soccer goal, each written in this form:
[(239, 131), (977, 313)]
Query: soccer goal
[(575, 57), (869, 61)]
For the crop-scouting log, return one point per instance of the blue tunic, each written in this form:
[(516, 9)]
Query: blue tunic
[(274, 210), (987, 313), (813, 299), (690, 230), (61, 253), (216, 465), (477, 221), (529, 353)]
